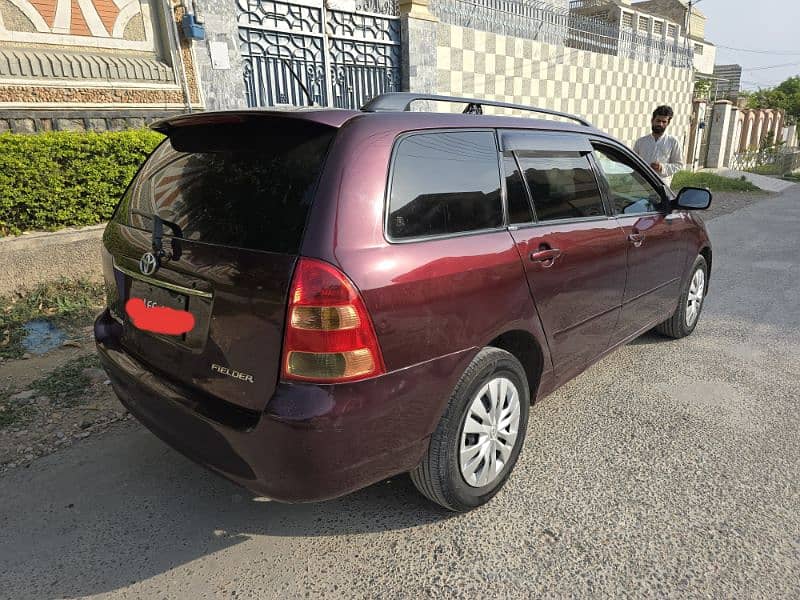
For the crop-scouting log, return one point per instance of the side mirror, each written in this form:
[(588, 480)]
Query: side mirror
[(693, 198)]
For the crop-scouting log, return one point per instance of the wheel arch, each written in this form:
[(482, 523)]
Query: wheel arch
[(707, 254), (524, 346)]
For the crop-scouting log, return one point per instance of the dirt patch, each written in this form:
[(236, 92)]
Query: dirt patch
[(21, 373), (53, 401)]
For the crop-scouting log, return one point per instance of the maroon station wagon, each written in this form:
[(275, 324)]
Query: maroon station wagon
[(383, 291)]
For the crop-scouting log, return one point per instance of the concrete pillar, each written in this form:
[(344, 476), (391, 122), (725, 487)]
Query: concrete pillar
[(758, 130), (769, 124), (718, 134), (695, 134), (777, 126), (217, 57), (419, 33), (734, 132), (747, 131), (791, 136)]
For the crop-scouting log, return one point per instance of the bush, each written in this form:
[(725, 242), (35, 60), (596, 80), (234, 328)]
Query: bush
[(61, 179)]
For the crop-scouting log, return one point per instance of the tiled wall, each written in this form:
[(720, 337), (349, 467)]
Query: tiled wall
[(617, 95)]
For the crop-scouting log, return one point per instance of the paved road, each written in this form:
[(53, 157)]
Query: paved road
[(669, 469)]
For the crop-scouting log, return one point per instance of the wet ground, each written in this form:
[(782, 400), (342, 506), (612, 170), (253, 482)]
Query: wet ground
[(42, 335)]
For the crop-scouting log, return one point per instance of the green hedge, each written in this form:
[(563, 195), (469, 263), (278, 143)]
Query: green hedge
[(61, 179)]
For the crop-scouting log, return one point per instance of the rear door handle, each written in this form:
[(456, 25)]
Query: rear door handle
[(547, 257), (636, 239)]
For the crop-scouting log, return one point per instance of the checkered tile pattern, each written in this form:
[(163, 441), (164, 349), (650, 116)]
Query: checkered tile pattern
[(617, 95)]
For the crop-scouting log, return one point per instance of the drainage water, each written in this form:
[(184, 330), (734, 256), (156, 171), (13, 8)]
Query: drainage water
[(42, 336)]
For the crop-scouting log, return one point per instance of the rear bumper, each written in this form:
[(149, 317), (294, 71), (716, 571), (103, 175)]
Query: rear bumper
[(312, 442)]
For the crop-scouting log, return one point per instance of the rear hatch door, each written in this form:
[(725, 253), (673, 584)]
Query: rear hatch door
[(226, 203)]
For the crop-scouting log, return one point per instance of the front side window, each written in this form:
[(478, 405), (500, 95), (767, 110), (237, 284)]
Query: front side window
[(630, 191), (445, 183), (562, 184)]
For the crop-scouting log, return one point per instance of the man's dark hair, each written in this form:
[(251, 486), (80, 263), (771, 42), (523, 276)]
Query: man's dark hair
[(663, 111)]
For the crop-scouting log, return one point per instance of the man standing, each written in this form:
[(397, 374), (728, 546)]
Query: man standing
[(661, 151)]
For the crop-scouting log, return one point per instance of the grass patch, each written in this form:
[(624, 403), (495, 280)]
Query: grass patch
[(68, 304), (773, 170), (792, 177), (67, 383), (712, 181)]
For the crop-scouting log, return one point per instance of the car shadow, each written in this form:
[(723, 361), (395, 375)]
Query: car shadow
[(124, 508), (649, 338)]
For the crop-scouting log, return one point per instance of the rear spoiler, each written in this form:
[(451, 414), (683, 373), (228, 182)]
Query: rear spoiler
[(327, 117)]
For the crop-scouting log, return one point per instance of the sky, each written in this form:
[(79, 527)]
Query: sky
[(769, 26)]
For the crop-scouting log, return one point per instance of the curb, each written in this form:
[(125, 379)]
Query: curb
[(34, 258)]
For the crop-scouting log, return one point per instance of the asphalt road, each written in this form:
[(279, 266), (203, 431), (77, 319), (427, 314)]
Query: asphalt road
[(672, 468)]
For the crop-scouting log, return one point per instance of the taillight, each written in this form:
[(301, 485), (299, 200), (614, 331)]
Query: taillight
[(329, 336)]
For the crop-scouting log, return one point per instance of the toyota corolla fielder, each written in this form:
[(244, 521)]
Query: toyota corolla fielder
[(308, 302)]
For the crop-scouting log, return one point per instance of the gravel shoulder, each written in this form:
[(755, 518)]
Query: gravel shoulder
[(724, 203)]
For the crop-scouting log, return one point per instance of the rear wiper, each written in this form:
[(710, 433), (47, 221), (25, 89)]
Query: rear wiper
[(158, 234)]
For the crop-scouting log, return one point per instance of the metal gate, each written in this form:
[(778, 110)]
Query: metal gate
[(302, 53)]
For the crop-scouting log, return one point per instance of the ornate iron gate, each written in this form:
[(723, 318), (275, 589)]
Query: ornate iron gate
[(302, 53)]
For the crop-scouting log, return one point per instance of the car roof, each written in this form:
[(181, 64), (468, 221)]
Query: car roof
[(427, 120)]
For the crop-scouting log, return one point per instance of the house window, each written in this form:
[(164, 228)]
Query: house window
[(658, 27), (672, 31), (627, 20), (698, 49), (644, 24)]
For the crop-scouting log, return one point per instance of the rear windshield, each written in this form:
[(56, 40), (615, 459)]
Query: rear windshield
[(248, 186)]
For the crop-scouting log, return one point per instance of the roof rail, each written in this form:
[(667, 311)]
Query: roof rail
[(401, 101)]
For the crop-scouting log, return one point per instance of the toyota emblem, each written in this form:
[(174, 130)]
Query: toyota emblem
[(148, 263)]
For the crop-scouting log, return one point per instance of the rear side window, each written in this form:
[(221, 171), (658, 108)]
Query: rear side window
[(562, 184), (519, 209), (445, 183), (247, 187)]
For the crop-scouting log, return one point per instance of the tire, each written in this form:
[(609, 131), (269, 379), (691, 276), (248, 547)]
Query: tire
[(440, 476), (684, 320)]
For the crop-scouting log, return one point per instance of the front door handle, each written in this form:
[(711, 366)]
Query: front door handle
[(546, 256), (636, 238)]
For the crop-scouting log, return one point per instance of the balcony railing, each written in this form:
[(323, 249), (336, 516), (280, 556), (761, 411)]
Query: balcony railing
[(545, 23), (579, 4)]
